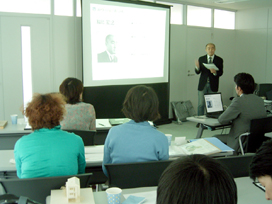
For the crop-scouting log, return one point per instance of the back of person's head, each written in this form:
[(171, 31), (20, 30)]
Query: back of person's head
[(45, 110), (71, 88), (261, 164), (196, 179), (246, 82), (141, 104)]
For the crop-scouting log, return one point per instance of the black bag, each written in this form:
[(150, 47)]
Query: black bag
[(182, 110), (13, 199)]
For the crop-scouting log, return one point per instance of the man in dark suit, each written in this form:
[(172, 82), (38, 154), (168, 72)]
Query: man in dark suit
[(242, 110), (109, 54), (209, 78)]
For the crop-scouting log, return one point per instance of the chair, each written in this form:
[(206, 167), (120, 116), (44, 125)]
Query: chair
[(39, 188), (86, 135), (252, 140), (138, 174), (262, 89), (237, 165)]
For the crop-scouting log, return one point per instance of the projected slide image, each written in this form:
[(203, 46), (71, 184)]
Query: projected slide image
[(126, 44)]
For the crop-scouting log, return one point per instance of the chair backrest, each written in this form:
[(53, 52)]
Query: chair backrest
[(258, 128), (237, 165), (86, 135), (138, 174), (262, 89), (38, 189)]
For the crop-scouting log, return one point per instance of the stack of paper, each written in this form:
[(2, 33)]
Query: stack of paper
[(200, 146), (3, 123)]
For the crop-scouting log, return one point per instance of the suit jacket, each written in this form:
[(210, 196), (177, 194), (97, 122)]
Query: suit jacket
[(241, 111), (205, 73), (104, 57)]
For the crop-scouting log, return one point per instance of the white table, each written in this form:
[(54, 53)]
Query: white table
[(210, 123), (93, 155), (247, 193), (94, 158), (11, 133)]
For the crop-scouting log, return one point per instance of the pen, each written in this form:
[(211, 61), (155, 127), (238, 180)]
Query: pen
[(101, 124)]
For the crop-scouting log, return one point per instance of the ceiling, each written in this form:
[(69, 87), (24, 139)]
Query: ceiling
[(238, 5)]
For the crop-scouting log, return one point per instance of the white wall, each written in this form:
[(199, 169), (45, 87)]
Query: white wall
[(57, 54), (254, 43)]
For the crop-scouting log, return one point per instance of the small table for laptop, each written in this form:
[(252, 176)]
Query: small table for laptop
[(210, 123)]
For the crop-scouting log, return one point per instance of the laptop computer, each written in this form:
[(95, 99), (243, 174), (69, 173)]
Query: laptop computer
[(213, 104)]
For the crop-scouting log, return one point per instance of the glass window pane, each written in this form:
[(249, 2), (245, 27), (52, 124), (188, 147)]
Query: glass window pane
[(199, 16), (63, 7), (26, 64), (176, 12), (78, 9), (26, 6), (224, 19)]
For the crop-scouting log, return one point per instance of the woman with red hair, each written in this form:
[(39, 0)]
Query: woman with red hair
[(48, 151)]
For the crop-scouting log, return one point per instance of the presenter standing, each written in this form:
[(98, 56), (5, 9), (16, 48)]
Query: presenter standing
[(209, 77)]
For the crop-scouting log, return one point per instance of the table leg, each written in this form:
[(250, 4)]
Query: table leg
[(200, 131)]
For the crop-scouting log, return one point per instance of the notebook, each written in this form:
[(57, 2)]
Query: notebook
[(213, 104), (118, 121)]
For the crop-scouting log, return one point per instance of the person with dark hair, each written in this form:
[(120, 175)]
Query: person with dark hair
[(196, 179), (48, 151), (137, 140), (209, 78), (109, 55), (261, 168), (241, 111), (79, 116)]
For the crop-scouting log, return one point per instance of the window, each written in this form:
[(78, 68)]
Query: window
[(26, 6), (199, 16), (26, 64), (78, 8), (63, 7), (224, 19), (176, 12)]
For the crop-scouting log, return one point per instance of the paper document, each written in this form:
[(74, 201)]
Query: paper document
[(211, 66), (218, 143), (96, 149), (200, 146)]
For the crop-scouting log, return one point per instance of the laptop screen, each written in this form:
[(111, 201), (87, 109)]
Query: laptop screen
[(213, 102)]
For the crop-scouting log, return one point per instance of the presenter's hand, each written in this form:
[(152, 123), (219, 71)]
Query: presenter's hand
[(213, 71), (197, 64)]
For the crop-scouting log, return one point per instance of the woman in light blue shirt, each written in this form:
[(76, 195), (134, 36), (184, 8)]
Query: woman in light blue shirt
[(137, 140), (48, 151)]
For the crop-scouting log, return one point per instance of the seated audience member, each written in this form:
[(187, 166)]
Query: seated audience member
[(79, 116), (196, 179), (261, 168), (137, 140), (241, 111), (48, 151)]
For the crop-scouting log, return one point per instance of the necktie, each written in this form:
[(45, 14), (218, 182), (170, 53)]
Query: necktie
[(210, 60)]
